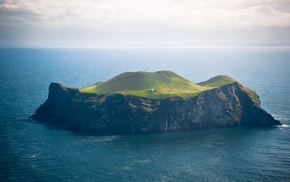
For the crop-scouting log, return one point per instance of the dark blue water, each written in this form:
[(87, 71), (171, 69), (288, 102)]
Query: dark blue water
[(30, 151)]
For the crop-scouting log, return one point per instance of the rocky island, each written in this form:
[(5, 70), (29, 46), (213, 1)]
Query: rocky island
[(145, 102)]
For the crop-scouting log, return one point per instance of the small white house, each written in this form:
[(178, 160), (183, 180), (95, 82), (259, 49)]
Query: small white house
[(151, 90)]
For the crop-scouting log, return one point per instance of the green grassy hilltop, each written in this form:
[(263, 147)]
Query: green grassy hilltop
[(160, 84)]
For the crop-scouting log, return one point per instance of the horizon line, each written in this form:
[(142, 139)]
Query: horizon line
[(139, 47)]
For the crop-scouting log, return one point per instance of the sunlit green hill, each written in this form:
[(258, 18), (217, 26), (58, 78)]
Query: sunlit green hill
[(159, 84), (217, 81)]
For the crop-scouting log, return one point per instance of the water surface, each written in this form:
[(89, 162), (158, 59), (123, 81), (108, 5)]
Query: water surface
[(31, 151)]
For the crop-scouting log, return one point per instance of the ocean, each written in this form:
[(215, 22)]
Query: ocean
[(32, 151)]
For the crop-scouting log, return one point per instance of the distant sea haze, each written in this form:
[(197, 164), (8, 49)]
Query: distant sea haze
[(32, 151)]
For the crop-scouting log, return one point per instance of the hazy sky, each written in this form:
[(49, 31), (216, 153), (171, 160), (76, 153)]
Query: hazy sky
[(81, 23)]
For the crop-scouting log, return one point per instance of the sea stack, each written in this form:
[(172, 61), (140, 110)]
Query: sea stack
[(146, 102)]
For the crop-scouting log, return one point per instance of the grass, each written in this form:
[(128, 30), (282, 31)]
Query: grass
[(253, 95), (218, 81), (165, 83)]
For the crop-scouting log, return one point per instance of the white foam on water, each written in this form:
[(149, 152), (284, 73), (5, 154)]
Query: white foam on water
[(284, 126)]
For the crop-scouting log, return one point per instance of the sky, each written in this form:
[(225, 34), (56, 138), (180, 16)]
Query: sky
[(137, 23)]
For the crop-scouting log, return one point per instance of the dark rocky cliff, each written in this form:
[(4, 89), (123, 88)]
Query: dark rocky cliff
[(228, 106)]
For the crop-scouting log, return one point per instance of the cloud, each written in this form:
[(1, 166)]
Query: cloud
[(131, 12), (153, 18), (250, 17)]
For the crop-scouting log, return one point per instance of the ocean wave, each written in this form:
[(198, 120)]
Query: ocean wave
[(94, 139), (284, 126)]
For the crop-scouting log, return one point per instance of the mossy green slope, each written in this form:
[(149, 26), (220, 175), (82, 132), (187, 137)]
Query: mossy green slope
[(164, 83), (218, 81)]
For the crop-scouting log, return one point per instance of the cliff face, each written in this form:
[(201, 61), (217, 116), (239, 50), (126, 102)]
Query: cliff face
[(229, 105)]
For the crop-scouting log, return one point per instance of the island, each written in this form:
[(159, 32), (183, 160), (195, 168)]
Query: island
[(152, 102)]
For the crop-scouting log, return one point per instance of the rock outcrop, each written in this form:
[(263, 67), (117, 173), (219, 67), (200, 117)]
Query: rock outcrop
[(227, 106)]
